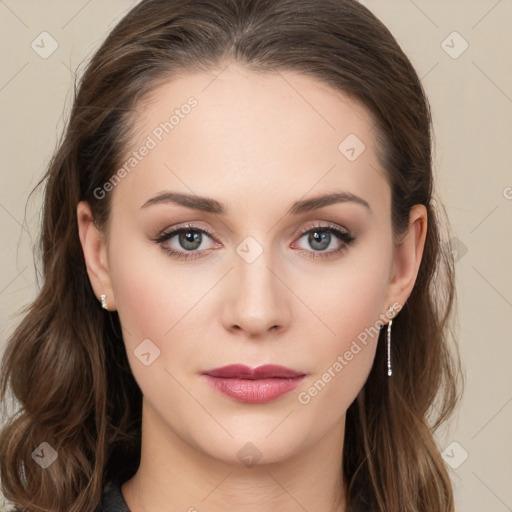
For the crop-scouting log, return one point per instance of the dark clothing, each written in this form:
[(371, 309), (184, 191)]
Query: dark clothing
[(112, 500)]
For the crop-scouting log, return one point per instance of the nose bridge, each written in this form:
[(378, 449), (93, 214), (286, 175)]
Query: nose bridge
[(258, 300)]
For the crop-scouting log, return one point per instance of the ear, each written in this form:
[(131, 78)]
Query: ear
[(94, 249), (407, 258)]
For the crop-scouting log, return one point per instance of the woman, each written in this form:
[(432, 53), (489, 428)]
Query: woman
[(246, 295)]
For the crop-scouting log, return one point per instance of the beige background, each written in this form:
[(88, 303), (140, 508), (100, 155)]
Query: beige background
[(471, 98)]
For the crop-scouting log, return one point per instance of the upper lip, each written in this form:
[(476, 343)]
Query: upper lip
[(242, 371)]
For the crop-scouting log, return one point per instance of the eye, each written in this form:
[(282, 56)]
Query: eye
[(320, 237), (189, 239)]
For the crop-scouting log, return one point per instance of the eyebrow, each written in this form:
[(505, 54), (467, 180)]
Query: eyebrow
[(206, 204)]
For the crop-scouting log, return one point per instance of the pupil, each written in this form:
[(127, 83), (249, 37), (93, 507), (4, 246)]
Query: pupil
[(189, 240), (323, 238)]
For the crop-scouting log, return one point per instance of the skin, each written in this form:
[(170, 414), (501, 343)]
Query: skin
[(258, 143)]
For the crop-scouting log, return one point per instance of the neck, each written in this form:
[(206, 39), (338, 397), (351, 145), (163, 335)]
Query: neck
[(173, 475)]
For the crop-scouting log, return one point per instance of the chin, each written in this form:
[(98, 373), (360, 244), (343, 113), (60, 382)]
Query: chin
[(256, 448)]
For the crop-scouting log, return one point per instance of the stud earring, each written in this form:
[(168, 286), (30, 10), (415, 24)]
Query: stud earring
[(390, 312), (103, 301)]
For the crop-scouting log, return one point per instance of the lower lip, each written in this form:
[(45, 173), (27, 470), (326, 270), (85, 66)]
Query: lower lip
[(257, 391)]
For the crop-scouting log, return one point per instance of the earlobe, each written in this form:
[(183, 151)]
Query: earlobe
[(94, 250), (408, 256)]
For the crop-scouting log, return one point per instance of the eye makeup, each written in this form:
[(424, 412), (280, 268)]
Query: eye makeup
[(315, 232)]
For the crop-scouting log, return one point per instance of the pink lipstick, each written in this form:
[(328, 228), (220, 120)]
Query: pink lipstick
[(253, 386)]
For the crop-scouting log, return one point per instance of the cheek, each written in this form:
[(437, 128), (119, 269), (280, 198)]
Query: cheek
[(142, 296), (350, 308), (341, 372), (349, 297), (156, 301), (152, 307), (150, 293)]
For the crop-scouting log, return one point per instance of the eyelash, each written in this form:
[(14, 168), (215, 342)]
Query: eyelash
[(343, 236)]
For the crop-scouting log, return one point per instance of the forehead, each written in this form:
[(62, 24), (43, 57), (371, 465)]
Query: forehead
[(236, 129)]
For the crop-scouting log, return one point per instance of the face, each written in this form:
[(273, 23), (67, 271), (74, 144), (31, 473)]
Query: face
[(260, 282)]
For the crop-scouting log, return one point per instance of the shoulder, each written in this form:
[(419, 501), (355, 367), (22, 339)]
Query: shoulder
[(112, 499)]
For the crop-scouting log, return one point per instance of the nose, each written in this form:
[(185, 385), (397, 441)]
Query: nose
[(257, 299)]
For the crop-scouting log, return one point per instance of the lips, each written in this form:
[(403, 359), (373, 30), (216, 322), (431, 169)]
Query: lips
[(267, 371), (253, 385)]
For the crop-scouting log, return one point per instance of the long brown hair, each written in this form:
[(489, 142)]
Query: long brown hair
[(66, 363)]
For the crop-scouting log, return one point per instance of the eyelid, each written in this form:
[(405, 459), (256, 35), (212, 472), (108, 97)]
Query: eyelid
[(162, 235), (343, 234), (174, 230), (320, 224)]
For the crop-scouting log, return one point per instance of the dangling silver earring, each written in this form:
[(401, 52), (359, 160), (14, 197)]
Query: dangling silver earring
[(390, 312), (103, 301)]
